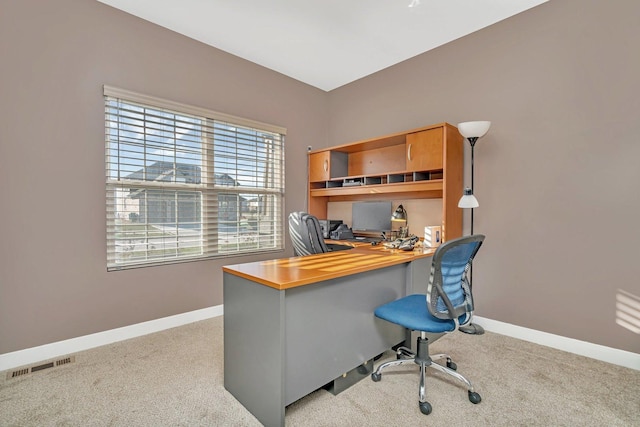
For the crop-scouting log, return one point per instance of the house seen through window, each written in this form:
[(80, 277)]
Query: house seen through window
[(185, 183)]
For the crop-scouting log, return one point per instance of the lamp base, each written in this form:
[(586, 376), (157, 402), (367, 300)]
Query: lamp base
[(472, 329)]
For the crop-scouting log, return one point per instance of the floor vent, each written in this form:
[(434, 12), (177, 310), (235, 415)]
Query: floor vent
[(65, 360), (17, 373), (31, 369)]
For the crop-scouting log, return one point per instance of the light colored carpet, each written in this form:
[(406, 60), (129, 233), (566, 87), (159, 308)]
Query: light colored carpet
[(175, 378)]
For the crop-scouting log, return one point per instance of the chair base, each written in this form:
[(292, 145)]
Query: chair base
[(422, 358), (472, 329)]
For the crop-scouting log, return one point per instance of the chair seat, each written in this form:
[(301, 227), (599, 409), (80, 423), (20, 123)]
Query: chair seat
[(411, 312)]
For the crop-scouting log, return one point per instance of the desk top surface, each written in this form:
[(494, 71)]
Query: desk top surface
[(286, 273)]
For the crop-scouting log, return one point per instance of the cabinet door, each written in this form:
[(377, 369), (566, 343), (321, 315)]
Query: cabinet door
[(319, 166), (424, 150)]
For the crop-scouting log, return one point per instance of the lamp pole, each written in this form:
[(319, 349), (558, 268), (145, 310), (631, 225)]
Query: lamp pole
[(472, 131), (472, 328), (472, 141)]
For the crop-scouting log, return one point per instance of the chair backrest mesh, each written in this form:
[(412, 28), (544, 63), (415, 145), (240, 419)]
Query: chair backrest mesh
[(448, 293), (306, 234)]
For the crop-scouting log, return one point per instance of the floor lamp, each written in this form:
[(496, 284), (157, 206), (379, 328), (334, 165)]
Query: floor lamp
[(472, 131)]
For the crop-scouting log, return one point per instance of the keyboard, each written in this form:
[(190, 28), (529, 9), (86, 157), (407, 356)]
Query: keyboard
[(337, 247), (364, 239)]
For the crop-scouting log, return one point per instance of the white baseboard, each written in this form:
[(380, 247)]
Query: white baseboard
[(583, 348), (54, 350)]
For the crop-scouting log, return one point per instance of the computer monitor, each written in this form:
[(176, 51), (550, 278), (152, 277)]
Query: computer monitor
[(371, 216)]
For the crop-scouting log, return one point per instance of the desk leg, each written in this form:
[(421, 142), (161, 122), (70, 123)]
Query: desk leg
[(254, 350)]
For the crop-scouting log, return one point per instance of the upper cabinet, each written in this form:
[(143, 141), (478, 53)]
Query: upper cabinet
[(424, 150), (325, 165), (419, 163)]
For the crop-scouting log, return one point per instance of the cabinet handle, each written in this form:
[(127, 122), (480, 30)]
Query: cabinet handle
[(326, 165), (409, 152)]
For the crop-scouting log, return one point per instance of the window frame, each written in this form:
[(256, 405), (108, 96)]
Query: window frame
[(209, 185)]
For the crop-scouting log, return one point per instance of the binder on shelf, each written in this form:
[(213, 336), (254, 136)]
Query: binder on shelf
[(352, 182)]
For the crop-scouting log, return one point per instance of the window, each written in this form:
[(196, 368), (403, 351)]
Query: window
[(185, 183)]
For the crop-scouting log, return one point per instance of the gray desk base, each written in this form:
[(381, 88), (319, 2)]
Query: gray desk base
[(281, 345)]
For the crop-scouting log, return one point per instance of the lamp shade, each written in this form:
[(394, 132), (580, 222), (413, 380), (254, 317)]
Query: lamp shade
[(468, 200), (400, 214), (474, 129)]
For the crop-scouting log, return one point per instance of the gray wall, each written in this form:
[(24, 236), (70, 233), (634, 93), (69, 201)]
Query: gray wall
[(556, 176), (54, 59)]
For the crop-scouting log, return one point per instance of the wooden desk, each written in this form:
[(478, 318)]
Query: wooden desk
[(293, 325)]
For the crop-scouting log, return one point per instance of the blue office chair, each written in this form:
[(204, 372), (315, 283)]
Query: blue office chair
[(447, 305)]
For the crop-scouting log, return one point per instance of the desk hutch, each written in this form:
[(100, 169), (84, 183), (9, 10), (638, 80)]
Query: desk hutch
[(423, 163)]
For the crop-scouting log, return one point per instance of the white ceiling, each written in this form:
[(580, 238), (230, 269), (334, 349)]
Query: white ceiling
[(324, 43)]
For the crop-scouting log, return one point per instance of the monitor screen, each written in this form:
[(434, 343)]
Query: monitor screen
[(371, 216)]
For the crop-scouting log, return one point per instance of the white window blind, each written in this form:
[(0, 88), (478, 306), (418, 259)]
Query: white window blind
[(185, 183)]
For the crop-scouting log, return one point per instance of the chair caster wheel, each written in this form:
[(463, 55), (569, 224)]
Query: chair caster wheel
[(425, 407), (376, 377), (452, 365), (474, 397)]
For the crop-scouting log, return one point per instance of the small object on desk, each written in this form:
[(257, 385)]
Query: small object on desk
[(393, 245), (406, 245), (343, 232), (329, 225), (432, 236)]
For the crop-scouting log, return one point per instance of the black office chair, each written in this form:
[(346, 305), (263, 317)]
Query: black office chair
[(306, 234), (447, 305)]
